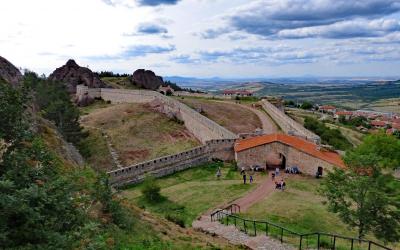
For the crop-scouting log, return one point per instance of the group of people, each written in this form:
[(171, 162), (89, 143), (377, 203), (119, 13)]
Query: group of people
[(278, 184), (243, 174)]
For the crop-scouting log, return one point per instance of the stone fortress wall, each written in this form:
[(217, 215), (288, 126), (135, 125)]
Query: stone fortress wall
[(218, 141), (287, 124), (200, 126), (221, 149)]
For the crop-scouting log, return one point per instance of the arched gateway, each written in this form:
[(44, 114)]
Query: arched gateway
[(291, 151)]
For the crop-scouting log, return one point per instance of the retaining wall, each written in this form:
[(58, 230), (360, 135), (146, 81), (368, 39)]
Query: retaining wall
[(287, 124)]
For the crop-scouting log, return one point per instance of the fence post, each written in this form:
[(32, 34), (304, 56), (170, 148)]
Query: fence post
[(234, 219), (244, 225), (227, 220), (352, 244), (318, 241), (266, 228), (369, 245), (334, 242), (254, 226), (281, 235), (301, 239)]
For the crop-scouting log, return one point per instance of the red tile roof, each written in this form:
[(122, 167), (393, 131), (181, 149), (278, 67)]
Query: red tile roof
[(293, 141), (396, 126), (327, 107), (378, 123), (344, 113)]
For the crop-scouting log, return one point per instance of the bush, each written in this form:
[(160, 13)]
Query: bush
[(150, 190), (175, 218)]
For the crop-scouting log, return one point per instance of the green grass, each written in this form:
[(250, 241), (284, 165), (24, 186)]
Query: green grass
[(190, 193)]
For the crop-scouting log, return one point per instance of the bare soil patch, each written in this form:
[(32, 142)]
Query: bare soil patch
[(233, 117)]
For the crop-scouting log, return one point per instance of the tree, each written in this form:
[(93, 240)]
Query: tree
[(366, 196), (306, 105)]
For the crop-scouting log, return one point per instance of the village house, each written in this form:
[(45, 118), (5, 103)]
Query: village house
[(378, 124), (239, 92), (346, 114), (327, 109)]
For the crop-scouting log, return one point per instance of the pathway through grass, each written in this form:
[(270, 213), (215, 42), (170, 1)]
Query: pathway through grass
[(194, 191)]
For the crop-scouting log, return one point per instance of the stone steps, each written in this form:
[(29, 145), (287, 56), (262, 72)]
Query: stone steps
[(236, 237)]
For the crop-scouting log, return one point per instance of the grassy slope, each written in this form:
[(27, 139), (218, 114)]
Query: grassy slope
[(119, 82), (193, 192), (136, 132), (232, 117)]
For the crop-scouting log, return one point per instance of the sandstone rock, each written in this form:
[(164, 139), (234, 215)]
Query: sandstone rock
[(9, 72), (146, 79), (72, 74)]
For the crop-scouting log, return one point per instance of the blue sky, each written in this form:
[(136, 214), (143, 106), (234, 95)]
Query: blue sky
[(205, 38)]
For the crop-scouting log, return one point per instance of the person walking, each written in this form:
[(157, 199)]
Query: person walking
[(251, 178), (244, 177), (276, 171), (218, 173)]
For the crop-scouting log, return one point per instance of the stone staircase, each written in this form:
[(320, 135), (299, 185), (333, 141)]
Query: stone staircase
[(236, 237)]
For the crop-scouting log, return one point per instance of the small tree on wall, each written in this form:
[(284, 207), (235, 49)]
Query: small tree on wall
[(366, 196)]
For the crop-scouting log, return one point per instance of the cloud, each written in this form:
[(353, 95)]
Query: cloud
[(345, 29), (213, 33), (151, 28), (157, 2), (184, 59), (135, 51), (271, 17)]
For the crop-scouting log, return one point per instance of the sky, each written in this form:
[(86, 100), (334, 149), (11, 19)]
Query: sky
[(205, 38)]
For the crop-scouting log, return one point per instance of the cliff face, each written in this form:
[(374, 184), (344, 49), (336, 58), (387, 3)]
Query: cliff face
[(146, 79), (9, 72), (72, 74)]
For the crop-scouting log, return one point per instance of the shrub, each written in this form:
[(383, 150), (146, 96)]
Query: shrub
[(150, 190), (175, 218)]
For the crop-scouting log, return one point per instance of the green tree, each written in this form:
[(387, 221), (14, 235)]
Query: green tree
[(366, 196), (306, 105), (150, 190)]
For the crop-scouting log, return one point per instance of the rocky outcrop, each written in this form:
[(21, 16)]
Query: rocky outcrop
[(146, 79), (72, 75), (9, 72)]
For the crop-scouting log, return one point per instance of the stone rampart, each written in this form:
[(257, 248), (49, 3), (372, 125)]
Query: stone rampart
[(222, 149), (200, 126), (287, 124)]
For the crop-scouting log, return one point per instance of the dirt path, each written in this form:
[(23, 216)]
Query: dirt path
[(263, 190)]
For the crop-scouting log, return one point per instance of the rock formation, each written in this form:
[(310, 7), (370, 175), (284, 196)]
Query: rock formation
[(9, 72), (72, 74), (146, 79)]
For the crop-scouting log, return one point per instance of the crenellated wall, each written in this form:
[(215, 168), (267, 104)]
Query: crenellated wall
[(221, 149), (287, 124), (218, 141), (200, 126)]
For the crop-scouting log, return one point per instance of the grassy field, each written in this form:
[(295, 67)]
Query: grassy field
[(300, 208), (192, 192), (136, 132), (352, 135), (119, 82), (230, 116)]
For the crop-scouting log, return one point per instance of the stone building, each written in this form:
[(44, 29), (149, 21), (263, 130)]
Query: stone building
[(291, 151)]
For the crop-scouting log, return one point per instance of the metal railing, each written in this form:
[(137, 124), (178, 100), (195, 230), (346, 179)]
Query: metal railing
[(316, 240)]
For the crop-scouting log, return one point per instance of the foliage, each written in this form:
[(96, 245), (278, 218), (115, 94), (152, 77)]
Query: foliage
[(289, 103), (150, 190), (355, 121), (364, 195), (306, 105), (55, 105), (174, 86), (329, 136), (44, 204), (110, 74), (396, 134)]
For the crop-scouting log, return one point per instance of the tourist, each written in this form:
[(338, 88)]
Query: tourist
[(276, 171), (242, 171), (251, 178), (219, 173), (273, 176), (244, 177), (282, 184)]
